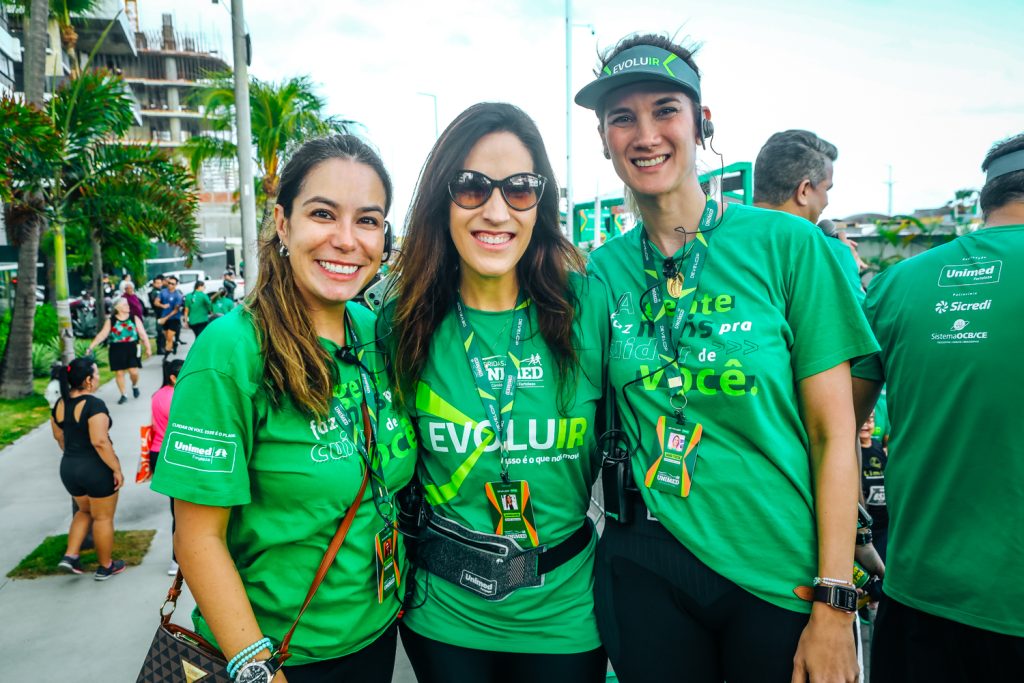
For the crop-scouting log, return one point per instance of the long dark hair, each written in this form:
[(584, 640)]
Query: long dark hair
[(424, 269), (294, 361), (172, 368), (73, 375)]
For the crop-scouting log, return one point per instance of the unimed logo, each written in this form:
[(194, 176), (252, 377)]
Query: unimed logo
[(979, 273)]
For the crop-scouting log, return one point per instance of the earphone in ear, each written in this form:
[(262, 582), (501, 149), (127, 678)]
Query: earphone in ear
[(607, 154), (707, 129), (389, 241)]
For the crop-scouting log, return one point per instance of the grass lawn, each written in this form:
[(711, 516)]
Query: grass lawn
[(130, 546), (19, 416)]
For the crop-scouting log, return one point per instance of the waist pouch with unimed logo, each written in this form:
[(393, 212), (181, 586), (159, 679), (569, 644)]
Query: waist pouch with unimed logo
[(489, 565)]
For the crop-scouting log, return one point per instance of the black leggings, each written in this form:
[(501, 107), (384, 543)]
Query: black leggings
[(375, 663), (437, 662), (665, 616)]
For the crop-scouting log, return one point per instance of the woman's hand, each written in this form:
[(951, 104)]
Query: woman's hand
[(826, 653), (118, 479), (279, 677)]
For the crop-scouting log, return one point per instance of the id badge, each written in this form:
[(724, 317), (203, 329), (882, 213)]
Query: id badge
[(388, 576), (512, 511), (675, 456)]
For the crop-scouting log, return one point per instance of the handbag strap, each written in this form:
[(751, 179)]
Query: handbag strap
[(325, 563)]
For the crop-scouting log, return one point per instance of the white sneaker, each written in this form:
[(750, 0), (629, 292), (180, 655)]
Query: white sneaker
[(172, 570)]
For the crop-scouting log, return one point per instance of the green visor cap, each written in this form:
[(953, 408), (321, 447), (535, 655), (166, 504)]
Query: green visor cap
[(637, 64)]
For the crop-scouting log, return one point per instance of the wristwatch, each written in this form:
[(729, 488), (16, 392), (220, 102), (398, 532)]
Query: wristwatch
[(258, 671), (842, 598)]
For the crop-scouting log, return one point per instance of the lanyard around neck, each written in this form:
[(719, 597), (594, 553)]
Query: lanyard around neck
[(367, 451), (499, 415), (689, 260)]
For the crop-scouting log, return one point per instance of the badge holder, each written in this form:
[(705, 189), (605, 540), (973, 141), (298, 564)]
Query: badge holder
[(512, 511), (675, 452), (389, 577)]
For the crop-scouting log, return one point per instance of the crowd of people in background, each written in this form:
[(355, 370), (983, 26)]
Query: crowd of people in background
[(721, 370)]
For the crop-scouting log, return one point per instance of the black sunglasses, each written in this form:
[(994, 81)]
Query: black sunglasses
[(471, 190)]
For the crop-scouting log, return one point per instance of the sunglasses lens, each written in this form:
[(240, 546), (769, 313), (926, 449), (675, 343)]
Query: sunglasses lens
[(469, 190), (522, 191)]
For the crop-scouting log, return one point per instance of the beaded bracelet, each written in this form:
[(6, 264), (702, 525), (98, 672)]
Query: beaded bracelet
[(826, 581), (243, 657)]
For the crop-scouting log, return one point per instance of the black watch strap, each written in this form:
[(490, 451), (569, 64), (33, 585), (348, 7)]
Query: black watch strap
[(842, 598)]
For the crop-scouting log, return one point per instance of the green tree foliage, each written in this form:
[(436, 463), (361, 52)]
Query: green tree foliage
[(283, 116), (64, 164)]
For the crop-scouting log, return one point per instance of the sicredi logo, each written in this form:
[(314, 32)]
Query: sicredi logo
[(980, 273), (958, 306)]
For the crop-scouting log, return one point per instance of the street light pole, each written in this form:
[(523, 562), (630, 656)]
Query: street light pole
[(243, 128), (433, 97), (570, 219)]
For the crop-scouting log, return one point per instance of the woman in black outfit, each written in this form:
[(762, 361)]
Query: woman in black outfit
[(89, 469)]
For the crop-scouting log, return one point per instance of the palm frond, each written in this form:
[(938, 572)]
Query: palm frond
[(199, 149)]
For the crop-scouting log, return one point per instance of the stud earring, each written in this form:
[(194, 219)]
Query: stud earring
[(283, 250)]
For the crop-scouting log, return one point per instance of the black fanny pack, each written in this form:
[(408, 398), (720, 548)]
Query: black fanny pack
[(489, 565)]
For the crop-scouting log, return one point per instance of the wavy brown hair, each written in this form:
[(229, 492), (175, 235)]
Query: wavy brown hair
[(426, 272), (294, 361)]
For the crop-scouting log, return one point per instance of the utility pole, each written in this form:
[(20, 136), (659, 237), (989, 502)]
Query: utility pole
[(570, 218), (243, 128), (890, 183), (432, 96)]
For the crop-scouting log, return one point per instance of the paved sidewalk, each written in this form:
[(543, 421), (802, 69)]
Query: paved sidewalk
[(72, 627)]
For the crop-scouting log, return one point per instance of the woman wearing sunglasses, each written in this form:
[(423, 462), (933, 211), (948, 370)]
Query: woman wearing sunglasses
[(280, 416), (492, 363), (731, 340)]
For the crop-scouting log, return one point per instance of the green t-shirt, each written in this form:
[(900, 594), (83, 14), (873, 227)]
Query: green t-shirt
[(847, 264), (554, 451), (199, 308), (288, 480), (949, 324), (223, 305), (772, 308)]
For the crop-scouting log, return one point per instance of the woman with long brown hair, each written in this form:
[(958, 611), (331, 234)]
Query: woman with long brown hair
[(265, 446), (491, 360)]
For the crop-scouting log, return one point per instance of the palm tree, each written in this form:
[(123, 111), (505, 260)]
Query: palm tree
[(64, 156), (283, 115), (26, 224)]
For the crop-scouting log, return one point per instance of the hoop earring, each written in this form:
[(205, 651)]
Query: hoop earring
[(283, 250)]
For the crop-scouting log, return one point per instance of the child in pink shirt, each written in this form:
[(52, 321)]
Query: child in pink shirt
[(161, 409)]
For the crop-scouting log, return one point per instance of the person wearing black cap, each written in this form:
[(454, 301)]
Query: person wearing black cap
[(948, 322), (732, 333)]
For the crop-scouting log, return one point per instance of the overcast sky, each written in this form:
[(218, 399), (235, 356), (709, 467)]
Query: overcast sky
[(924, 85)]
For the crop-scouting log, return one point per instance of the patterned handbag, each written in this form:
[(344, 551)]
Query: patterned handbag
[(178, 655)]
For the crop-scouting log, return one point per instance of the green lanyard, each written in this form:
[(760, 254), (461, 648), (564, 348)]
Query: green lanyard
[(498, 415), (696, 257), (349, 427)]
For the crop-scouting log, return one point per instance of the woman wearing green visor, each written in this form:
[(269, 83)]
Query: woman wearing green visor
[(732, 333)]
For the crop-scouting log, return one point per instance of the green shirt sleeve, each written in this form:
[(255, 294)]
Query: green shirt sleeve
[(870, 367), (827, 322), (205, 453)]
